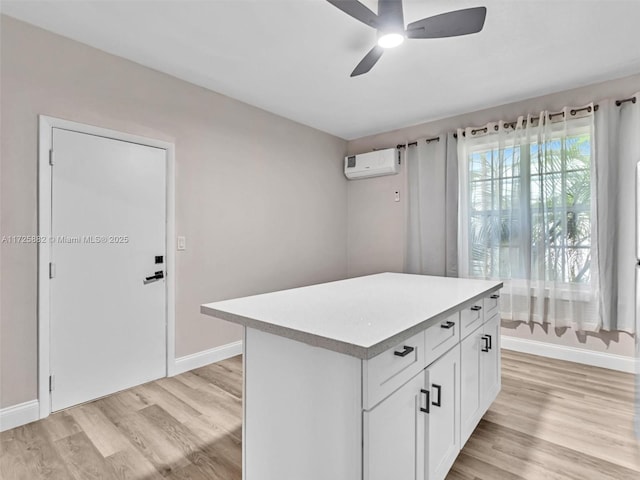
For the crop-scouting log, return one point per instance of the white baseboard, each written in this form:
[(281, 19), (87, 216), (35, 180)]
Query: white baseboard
[(570, 354), (200, 359), (18, 415)]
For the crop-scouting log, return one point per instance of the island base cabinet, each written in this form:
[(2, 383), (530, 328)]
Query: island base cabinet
[(414, 433), (312, 413)]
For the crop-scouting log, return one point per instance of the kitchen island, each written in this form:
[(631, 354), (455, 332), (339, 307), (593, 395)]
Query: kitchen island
[(377, 377)]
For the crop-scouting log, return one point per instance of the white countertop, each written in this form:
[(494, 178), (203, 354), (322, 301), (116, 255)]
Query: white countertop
[(360, 316)]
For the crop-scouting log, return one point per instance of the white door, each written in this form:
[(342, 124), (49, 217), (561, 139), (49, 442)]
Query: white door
[(394, 433), (443, 433), (108, 324)]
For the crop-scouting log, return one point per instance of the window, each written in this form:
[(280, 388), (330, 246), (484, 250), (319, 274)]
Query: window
[(529, 208)]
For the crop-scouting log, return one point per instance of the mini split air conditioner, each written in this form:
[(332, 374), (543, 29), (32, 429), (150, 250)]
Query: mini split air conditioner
[(372, 164)]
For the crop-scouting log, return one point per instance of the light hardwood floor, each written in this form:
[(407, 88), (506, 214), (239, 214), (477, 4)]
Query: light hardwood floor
[(552, 420)]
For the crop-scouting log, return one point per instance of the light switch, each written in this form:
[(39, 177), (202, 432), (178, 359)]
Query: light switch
[(396, 197), (182, 243)]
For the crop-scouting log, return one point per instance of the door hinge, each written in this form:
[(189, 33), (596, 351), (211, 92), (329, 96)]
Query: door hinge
[(52, 270), (52, 383), (51, 157)]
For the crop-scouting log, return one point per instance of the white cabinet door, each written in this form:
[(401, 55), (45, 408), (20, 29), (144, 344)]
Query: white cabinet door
[(443, 438), (470, 384), (394, 434), (490, 362)]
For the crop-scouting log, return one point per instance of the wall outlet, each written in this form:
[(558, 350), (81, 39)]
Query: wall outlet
[(182, 243)]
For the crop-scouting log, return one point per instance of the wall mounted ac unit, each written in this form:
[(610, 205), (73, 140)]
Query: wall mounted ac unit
[(372, 164)]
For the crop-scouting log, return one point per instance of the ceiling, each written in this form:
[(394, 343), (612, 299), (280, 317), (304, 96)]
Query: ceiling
[(294, 57)]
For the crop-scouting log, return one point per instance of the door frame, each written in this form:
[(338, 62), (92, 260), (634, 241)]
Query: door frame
[(46, 125)]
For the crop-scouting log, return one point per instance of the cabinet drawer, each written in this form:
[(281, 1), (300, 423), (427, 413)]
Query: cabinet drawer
[(490, 305), (470, 319), (384, 373), (441, 337)]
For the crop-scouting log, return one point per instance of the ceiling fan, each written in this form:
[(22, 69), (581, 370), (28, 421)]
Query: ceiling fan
[(389, 22)]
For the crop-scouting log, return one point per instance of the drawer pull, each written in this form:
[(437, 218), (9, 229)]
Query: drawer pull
[(476, 308), (495, 296), (406, 351), (426, 392), (439, 389), (448, 324), (490, 339), (487, 342)]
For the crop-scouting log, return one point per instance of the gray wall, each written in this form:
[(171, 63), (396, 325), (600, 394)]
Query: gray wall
[(261, 199), (377, 223)]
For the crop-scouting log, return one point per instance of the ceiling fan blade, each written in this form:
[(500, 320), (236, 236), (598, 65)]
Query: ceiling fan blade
[(357, 10), (369, 60), (390, 15), (450, 24)]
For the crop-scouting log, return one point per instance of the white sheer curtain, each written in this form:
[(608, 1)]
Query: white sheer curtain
[(432, 207), (545, 204), (617, 153), (527, 214)]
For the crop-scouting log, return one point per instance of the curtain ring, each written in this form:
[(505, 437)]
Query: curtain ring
[(574, 111)]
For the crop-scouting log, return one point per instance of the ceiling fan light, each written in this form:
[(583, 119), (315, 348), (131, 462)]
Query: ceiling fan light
[(390, 40)]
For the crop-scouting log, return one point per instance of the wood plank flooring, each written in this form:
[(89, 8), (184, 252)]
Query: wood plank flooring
[(552, 420), (184, 427)]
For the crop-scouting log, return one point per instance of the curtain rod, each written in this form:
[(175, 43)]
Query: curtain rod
[(415, 144), (512, 124), (573, 112), (630, 99)]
